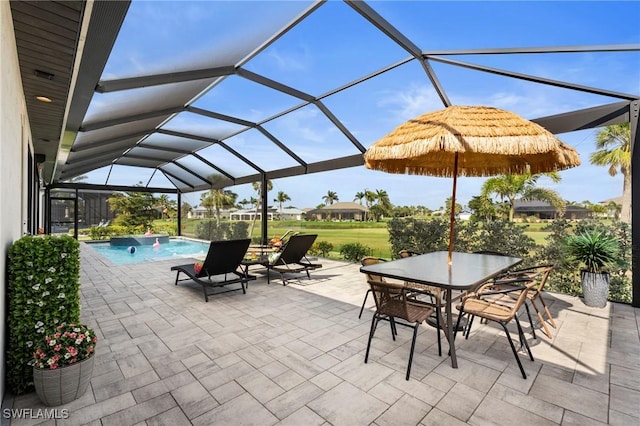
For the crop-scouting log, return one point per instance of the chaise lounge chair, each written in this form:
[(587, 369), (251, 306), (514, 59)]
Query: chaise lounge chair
[(220, 268), (292, 258)]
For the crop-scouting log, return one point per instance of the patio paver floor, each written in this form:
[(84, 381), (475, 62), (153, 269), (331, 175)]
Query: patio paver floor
[(295, 355)]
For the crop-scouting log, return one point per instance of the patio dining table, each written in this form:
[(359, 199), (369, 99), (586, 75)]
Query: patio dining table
[(466, 272)]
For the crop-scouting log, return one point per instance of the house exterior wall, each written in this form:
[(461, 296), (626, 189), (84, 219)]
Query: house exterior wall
[(338, 215), (14, 142), (291, 216)]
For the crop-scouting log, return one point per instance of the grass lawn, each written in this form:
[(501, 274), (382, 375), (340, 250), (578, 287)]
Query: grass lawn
[(375, 238), (371, 234)]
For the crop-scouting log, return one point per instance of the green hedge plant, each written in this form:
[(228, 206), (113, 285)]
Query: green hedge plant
[(354, 252), (322, 248), (43, 292), (212, 231)]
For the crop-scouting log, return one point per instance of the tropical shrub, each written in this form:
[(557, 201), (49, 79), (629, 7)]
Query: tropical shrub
[(321, 248), (239, 230), (43, 292), (104, 232), (99, 232), (565, 277), (425, 236), (212, 231), (422, 236), (354, 252), (506, 237), (620, 281), (596, 250), (167, 228)]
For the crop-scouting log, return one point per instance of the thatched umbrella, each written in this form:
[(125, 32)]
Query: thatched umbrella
[(469, 141)]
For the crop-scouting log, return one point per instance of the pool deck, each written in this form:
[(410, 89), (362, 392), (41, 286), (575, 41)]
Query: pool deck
[(294, 355)]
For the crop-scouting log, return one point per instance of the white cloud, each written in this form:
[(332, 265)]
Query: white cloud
[(411, 102), (304, 124), (289, 61)]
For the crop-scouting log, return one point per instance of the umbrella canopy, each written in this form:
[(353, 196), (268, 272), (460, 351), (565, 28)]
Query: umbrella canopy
[(469, 141)]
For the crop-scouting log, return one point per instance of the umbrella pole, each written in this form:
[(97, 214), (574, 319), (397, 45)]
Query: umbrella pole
[(452, 219)]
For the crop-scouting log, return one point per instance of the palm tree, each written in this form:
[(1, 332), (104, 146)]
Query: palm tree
[(359, 196), (207, 201), (614, 150), (257, 186), (165, 205), (281, 198), (512, 187), (369, 198), (482, 207), (614, 209), (383, 202), (383, 198), (185, 208), (243, 203), (222, 198), (330, 198)]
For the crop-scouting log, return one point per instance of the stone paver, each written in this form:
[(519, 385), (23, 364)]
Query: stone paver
[(347, 405), (294, 355)]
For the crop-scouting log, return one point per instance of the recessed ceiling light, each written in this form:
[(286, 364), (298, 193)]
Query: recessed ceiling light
[(44, 99)]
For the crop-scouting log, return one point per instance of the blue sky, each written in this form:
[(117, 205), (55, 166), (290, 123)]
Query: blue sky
[(340, 46)]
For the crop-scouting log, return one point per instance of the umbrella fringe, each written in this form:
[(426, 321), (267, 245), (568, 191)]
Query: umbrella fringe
[(494, 142)]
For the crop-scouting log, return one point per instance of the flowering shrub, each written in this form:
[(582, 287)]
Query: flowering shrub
[(321, 248), (66, 345), (43, 292)]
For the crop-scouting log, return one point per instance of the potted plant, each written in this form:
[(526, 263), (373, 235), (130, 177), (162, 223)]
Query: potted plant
[(43, 292), (63, 363), (596, 250)]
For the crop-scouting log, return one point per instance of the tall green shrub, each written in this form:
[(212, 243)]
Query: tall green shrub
[(354, 252), (506, 237), (423, 236), (43, 292), (212, 231), (239, 230), (565, 277)]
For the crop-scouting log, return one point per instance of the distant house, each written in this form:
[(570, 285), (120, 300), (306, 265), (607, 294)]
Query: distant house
[(202, 213), (544, 210), (339, 211), (612, 212), (248, 214), (290, 213)]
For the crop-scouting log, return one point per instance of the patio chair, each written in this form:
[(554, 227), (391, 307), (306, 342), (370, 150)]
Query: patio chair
[(292, 257), (220, 268), (477, 305), (435, 295), (393, 303), (516, 277), (366, 261)]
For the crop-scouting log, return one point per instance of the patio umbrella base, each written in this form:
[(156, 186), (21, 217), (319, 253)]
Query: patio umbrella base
[(432, 321)]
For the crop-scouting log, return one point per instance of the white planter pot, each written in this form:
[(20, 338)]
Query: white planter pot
[(595, 288)]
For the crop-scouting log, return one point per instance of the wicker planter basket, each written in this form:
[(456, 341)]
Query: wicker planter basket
[(64, 384), (595, 288)]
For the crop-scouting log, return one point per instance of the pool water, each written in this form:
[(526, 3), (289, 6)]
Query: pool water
[(147, 253)]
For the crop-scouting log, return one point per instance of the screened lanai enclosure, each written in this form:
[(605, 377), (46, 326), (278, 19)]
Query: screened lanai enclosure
[(181, 97)]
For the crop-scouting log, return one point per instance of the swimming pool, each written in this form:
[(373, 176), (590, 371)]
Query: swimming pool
[(146, 253)]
